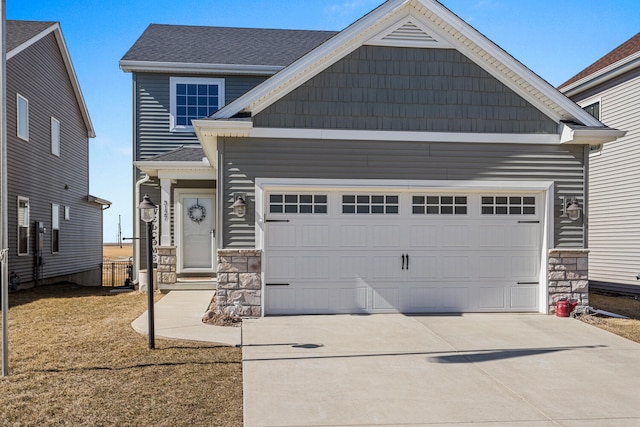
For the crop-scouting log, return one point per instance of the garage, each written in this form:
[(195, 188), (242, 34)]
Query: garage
[(409, 249)]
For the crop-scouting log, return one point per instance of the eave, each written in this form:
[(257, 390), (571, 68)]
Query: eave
[(184, 67), (612, 71), (177, 170), (571, 134)]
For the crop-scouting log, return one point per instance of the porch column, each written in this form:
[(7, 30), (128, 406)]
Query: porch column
[(165, 212)]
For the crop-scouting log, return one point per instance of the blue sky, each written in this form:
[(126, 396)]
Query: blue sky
[(555, 38)]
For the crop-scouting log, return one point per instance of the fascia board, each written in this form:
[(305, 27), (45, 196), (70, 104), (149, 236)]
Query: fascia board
[(183, 67), (590, 136), (405, 136), (343, 43), (153, 168), (614, 70)]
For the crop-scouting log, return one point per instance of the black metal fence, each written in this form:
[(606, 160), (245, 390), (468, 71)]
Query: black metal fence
[(117, 273)]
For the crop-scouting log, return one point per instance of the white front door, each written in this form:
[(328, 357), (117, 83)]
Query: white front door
[(197, 232)]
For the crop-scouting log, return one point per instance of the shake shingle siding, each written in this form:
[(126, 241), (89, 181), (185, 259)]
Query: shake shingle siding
[(245, 160), (406, 89), (38, 73)]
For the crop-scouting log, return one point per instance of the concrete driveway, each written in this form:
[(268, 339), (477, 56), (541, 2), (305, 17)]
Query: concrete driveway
[(476, 369)]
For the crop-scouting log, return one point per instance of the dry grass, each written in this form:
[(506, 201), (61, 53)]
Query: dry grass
[(627, 328), (75, 360), (116, 252)]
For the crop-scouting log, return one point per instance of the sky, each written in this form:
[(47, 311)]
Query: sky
[(554, 38)]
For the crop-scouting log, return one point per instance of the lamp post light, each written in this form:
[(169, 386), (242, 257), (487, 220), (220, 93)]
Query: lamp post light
[(148, 215)]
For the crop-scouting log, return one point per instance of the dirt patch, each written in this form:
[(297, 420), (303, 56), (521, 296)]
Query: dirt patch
[(626, 306), (221, 319)]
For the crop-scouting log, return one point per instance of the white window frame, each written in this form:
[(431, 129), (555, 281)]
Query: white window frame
[(55, 226), (55, 136), (22, 120), (67, 213), (173, 81), (25, 225), (594, 150)]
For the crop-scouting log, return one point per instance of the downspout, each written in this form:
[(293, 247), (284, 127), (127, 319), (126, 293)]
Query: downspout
[(136, 230)]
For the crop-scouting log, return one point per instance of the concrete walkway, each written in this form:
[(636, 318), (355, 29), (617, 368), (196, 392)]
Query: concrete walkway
[(467, 370), (178, 315)]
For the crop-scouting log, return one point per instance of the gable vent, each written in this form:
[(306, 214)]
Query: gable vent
[(410, 32)]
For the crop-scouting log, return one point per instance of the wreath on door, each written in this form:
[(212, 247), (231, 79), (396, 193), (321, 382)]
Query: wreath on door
[(197, 213)]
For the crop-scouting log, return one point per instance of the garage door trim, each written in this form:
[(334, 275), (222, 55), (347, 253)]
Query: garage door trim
[(544, 188)]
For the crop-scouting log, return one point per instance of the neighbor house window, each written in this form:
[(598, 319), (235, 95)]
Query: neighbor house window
[(594, 110), (23, 118), (55, 136), (67, 213), (55, 228), (23, 226), (193, 98)]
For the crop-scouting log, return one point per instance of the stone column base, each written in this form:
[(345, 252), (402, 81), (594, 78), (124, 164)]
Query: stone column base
[(240, 280), (568, 276), (167, 261)]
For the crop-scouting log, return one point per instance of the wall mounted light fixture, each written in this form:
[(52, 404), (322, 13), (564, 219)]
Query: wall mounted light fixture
[(570, 208), (239, 204)]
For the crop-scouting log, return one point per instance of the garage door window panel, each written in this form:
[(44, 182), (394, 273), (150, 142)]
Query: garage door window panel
[(508, 205), (370, 204), (298, 203), (439, 205)]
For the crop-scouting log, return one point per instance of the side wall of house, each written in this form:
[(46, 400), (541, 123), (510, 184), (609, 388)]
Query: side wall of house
[(243, 160), (38, 74), (614, 185)]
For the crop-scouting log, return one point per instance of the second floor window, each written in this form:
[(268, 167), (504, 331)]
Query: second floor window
[(193, 98), (23, 118), (55, 136)]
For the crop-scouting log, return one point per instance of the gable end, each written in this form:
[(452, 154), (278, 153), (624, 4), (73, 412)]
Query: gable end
[(406, 89)]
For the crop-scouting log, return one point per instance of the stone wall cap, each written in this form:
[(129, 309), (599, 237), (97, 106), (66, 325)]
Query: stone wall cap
[(167, 247), (239, 251), (569, 250)]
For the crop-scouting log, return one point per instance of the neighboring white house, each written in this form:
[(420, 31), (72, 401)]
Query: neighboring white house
[(609, 89)]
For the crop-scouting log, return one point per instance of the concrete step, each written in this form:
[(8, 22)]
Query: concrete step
[(190, 285)]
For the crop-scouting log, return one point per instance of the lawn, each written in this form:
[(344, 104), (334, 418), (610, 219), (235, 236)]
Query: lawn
[(75, 360)]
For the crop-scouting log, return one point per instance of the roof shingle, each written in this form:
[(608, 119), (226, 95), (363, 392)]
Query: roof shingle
[(19, 32), (223, 45), (626, 49)]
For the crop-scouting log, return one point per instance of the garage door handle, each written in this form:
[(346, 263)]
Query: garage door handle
[(403, 261), (528, 283), (407, 261), (276, 220)]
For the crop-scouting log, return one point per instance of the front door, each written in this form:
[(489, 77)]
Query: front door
[(197, 232)]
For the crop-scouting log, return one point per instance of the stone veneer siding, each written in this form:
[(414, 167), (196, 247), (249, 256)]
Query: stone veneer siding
[(568, 276), (167, 261), (239, 279)]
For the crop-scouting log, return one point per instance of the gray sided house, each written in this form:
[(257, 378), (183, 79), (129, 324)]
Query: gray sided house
[(55, 226), (406, 164), (609, 89)]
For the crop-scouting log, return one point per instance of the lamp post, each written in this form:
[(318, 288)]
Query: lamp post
[(148, 215)]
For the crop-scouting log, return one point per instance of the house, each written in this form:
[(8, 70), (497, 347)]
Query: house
[(406, 163), (54, 224), (608, 89)]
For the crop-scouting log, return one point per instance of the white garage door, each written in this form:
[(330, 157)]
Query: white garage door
[(412, 252)]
